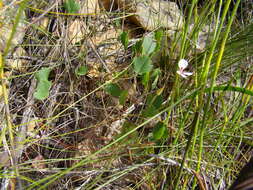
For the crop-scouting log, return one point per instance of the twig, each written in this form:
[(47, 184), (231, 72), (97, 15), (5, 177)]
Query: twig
[(172, 162), (19, 140), (41, 16), (8, 127), (91, 44), (175, 163)]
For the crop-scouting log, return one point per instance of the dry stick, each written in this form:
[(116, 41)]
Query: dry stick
[(29, 58), (175, 163), (42, 15), (17, 143), (22, 130), (8, 126), (55, 90), (91, 44)]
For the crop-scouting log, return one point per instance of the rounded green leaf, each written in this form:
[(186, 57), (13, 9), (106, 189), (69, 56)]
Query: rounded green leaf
[(149, 111), (42, 74), (113, 89), (42, 90), (43, 85), (148, 45), (71, 6), (159, 131), (82, 70), (142, 64)]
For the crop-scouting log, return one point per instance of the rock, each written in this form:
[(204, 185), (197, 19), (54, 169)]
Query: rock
[(151, 14), (154, 14), (204, 36)]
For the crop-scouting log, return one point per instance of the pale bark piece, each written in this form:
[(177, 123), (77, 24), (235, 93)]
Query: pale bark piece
[(89, 7), (77, 28)]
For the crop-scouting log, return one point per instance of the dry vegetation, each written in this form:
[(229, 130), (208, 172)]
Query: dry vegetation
[(74, 138)]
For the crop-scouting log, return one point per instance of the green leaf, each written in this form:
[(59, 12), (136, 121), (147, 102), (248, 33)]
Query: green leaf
[(150, 111), (154, 103), (82, 70), (158, 35), (155, 100), (160, 131), (71, 6), (145, 79), (148, 45), (137, 48), (132, 138), (142, 64), (156, 72), (43, 85), (113, 89), (42, 90), (155, 76), (124, 39), (123, 97)]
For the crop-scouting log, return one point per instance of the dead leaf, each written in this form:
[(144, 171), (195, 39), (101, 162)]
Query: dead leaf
[(76, 31), (43, 23), (108, 4), (4, 159), (32, 124), (18, 64), (89, 7), (94, 68), (108, 45), (31, 128), (39, 162)]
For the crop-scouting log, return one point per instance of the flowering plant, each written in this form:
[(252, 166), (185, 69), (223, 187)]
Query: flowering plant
[(182, 64)]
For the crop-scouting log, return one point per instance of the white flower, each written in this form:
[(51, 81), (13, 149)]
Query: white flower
[(182, 64)]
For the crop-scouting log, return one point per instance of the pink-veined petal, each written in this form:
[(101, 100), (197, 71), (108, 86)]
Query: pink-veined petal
[(181, 74), (187, 73), (184, 74), (182, 64)]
